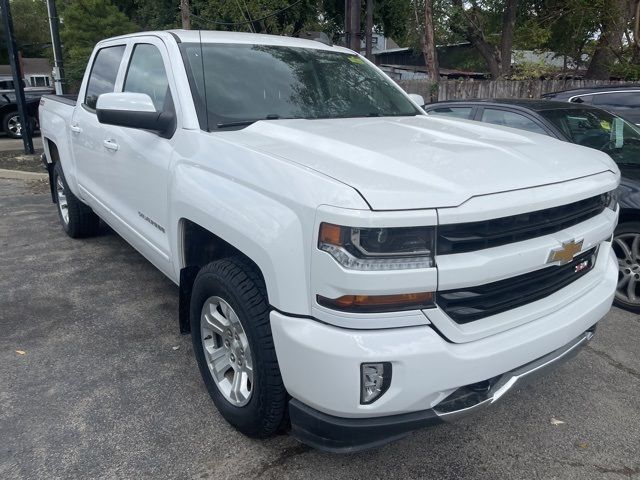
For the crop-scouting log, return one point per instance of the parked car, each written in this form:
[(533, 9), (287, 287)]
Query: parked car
[(591, 127), (345, 262), (11, 124), (623, 101)]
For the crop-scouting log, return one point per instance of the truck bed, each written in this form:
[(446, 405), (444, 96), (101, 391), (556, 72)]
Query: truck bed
[(70, 99)]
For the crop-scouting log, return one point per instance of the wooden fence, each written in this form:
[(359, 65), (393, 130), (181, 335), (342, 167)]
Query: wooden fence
[(469, 88)]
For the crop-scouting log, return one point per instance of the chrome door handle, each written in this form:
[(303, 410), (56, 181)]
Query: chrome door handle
[(110, 144), (75, 128)]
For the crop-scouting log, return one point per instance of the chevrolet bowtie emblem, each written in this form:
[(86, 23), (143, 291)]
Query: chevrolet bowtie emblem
[(565, 253)]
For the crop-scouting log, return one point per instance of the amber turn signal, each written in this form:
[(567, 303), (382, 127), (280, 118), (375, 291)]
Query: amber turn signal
[(331, 234), (378, 303)]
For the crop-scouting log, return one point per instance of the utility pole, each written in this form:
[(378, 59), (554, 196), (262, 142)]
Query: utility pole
[(17, 77), (355, 7), (369, 30), (58, 72), (186, 14)]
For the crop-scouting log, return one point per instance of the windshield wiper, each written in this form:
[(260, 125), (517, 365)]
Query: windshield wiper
[(244, 123)]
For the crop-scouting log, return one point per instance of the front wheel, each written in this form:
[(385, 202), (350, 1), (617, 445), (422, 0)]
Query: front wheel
[(626, 245), (234, 348)]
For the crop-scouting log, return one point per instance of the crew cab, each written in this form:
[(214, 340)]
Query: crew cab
[(346, 263)]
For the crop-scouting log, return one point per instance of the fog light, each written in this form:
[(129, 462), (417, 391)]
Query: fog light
[(375, 379)]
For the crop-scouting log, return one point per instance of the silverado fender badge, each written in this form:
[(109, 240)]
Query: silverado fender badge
[(565, 253)]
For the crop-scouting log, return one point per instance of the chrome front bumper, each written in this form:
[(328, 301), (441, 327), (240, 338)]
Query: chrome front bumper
[(471, 398)]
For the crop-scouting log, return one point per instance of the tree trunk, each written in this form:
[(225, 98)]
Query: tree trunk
[(429, 44), (506, 41), (186, 14), (613, 23)]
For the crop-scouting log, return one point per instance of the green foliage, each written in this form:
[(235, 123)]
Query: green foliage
[(31, 29), (86, 22)]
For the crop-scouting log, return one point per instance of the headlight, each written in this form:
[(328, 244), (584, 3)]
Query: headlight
[(610, 199), (378, 248)]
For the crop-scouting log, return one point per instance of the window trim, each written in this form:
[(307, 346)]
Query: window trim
[(602, 93), (93, 64)]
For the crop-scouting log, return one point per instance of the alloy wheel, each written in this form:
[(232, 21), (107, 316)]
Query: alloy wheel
[(63, 204), (227, 351), (14, 125), (627, 249)]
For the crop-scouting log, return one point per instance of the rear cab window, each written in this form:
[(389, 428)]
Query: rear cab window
[(104, 72)]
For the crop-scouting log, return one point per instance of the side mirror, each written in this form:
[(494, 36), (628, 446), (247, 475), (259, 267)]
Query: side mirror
[(417, 99), (134, 110)]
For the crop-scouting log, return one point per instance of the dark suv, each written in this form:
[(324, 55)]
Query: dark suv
[(588, 126), (623, 101)]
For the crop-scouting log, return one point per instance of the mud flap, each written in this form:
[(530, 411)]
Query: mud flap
[(187, 277)]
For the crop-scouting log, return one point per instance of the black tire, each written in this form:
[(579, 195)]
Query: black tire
[(240, 284), (82, 221), (628, 230), (8, 124)]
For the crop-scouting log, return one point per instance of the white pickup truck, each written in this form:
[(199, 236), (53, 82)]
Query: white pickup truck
[(346, 264)]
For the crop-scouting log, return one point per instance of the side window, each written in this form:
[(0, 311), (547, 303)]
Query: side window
[(511, 119), (146, 74), (618, 100), (103, 74), (457, 112)]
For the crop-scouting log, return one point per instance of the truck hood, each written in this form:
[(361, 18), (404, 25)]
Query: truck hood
[(399, 163)]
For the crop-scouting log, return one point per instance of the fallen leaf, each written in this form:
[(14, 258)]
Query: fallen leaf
[(582, 445), (176, 347), (555, 421), (21, 352)]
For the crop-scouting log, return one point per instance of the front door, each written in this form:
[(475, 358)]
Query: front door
[(139, 160)]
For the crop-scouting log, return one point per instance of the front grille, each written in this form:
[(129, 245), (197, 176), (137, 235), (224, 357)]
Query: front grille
[(468, 237), (473, 303)]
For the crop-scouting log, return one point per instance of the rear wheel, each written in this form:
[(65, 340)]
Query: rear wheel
[(626, 245), (234, 348), (12, 125), (76, 218)]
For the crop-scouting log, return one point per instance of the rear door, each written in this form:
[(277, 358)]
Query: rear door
[(92, 167)]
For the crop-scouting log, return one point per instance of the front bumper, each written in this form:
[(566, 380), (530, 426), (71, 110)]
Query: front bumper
[(320, 364), (336, 434)]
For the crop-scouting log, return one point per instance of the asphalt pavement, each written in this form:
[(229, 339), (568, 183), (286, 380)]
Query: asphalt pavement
[(97, 382)]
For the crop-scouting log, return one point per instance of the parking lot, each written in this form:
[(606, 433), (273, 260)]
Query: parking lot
[(97, 382)]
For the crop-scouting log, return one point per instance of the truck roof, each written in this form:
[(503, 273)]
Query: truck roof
[(215, 36)]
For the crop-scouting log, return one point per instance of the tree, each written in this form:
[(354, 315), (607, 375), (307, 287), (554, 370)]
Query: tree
[(429, 43), (86, 22), (477, 21), (613, 21), (31, 28)]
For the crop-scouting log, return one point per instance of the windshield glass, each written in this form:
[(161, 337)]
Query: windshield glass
[(234, 84), (601, 130)]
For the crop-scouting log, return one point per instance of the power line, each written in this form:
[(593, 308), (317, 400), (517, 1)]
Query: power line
[(278, 12)]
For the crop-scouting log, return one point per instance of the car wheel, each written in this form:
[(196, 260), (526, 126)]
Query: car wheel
[(626, 245), (76, 218), (231, 334), (12, 125)]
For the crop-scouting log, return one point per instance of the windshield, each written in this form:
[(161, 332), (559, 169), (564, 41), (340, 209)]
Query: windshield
[(601, 130), (234, 85)]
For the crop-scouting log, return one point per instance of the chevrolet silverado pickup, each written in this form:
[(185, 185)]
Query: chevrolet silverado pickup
[(348, 266)]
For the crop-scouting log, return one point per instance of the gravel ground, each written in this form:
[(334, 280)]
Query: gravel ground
[(96, 382)]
